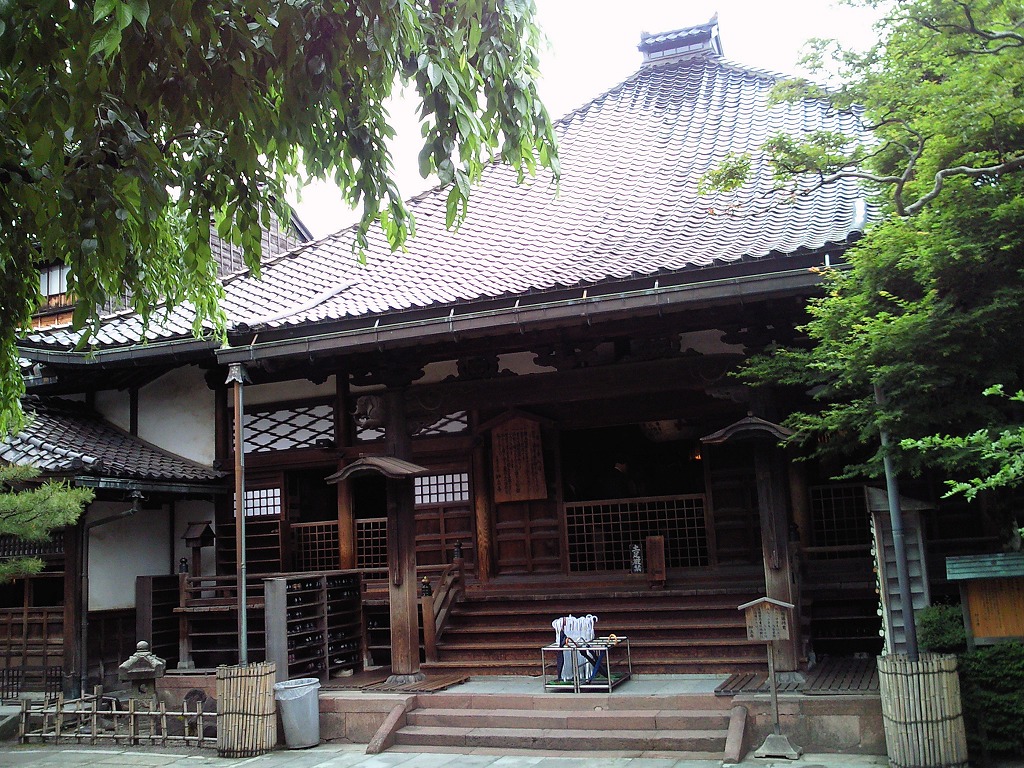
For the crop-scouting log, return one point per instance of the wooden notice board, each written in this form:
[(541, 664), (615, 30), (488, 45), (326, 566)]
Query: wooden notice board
[(995, 607), (517, 461), (991, 595), (767, 619)]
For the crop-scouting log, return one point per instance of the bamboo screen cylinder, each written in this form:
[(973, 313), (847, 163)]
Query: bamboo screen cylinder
[(921, 710), (246, 710)]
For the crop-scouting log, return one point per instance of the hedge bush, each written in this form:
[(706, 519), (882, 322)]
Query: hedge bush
[(991, 683)]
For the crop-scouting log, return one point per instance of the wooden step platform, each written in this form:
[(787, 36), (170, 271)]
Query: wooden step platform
[(829, 677)]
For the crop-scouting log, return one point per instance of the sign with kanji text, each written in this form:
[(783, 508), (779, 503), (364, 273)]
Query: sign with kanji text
[(518, 461), (767, 619)]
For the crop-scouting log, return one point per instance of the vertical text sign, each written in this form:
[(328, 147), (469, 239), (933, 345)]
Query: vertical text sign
[(518, 461)]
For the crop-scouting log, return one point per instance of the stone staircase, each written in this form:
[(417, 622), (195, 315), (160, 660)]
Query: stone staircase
[(671, 631), (694, 726)]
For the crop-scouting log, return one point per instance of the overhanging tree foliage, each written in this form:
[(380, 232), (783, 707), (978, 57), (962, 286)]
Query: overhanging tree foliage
[(941, 100), (127, 126), (32, 512), (930, 306)]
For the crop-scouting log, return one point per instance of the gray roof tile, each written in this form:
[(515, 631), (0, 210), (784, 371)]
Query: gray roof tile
[(64, 437), (627, 206)]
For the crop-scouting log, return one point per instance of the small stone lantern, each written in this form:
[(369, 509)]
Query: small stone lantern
[(141, 671)]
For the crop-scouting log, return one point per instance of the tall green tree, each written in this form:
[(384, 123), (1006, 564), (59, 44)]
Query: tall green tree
[(33, 512), (128, 126), (929, 307)]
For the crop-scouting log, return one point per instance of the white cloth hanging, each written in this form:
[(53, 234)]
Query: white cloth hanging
[(569, 630)]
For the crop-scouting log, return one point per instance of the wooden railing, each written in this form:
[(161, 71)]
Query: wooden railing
[(206, 593), (76, 721), (436, 607)]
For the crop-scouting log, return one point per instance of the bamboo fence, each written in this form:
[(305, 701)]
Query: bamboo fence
[(247, 714), (921, 710)]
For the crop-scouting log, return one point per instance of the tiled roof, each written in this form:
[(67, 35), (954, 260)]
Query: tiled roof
[(63, 437), (627, 207)]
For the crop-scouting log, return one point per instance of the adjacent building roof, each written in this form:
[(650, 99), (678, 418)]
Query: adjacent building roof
[(626, 212), (65, 437)]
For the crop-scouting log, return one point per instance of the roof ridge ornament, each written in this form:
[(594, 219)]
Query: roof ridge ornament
[(681, 44)]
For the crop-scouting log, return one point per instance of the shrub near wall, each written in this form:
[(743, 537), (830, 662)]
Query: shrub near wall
[(991, 683)]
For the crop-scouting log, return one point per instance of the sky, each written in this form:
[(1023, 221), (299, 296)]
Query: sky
[(593, 48)]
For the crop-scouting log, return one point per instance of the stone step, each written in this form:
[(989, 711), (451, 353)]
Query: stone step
[(566, 740), (621, 700), (577, 719)]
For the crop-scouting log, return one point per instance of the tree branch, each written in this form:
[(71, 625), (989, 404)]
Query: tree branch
[(1009, 39), (1008, 166)]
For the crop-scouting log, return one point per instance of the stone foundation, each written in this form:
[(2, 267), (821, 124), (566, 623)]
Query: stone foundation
[(849, 723), (356, 717)]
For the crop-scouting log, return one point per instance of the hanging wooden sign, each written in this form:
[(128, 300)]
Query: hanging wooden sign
[(517, 461), (767, 619)]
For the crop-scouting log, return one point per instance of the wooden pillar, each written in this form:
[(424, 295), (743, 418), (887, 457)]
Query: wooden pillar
[(344, 437), (403, 590), (483, 511), (72, 606), (772, 506), (346, 524), (800, 501)]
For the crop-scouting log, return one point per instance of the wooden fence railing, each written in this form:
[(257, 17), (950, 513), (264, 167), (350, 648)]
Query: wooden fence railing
[(436, 607), (99, 719)]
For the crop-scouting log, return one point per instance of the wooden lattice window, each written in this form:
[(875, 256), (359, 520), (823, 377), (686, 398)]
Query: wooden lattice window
[(601, 534), (315, 546), (261, 502), (372, 542), (286, 428), (449, 424), (442, 489), (839, 516)]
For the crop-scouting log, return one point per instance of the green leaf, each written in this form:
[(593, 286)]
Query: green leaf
[(434, 73), (140, 10), (124, 14), (104, 8)]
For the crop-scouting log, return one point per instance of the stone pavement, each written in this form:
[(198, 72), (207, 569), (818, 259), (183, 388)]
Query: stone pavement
[(354, 756)]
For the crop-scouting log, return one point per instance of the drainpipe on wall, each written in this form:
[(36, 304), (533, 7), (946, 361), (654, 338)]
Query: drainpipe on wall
[(237, 375), (83, 653), (899, 546)]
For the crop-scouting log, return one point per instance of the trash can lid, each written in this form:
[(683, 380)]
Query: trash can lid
[(296, 683)]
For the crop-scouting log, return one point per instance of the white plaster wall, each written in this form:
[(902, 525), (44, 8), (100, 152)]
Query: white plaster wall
[(707, 343), (113, 405), (282, 391), (177, 412), (123, 549), (522, 363), (193, 511)]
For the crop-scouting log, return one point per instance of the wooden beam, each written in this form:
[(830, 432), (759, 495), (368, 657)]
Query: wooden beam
[(579, 385)]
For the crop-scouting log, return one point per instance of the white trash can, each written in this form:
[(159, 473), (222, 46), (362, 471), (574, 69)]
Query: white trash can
[(299, 704)]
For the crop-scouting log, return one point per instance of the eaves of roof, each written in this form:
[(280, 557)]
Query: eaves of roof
[(63, 438), (171, 350), (522, 317)]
